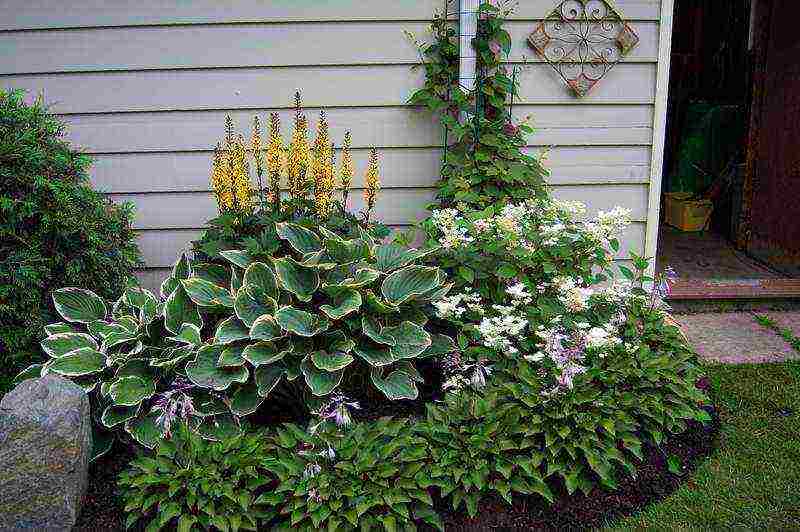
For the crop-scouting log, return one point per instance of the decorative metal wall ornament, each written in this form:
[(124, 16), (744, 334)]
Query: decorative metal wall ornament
[(583, 40)]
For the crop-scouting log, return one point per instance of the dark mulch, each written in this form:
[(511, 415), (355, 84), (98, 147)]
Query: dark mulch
[(101, 509)]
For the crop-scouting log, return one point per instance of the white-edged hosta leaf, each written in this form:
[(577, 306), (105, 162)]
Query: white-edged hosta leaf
[(327, 233), (232, 356), (219, 428), (78, 305), (60, 344), (173, 356), (245, 399), (374, 354), (207, 294), (362, 277), (268, 377), (373, 330), (301, 239), (231, 330), (346, 251), (136, 367), (34, 371), (144, 429), (236, 280), (83, 361), (131, 390), (179, 309), (182, 269), (102, 329), (319, 381), (396, 385), (238, 257), (251, 303), (168, 286), (392, 256), (411, 340), (402, 285), (118, 338), (346, 301), (440, 345), (319, 260), (300, 322), (189, 334), (377, 305), (265, 328), (129, 323), (58, 328), (213, 273), (265, 353), (204, 372), (300, 280), (261, 276), (331, 361), (116, 415), (207, 403), (338, 341)]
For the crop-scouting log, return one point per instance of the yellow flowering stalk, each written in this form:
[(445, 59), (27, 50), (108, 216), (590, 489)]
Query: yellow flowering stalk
[(299, 155), (346, 169), (240, 177), (275, 159), (323, 168), (255, 148), (372, 183), (220, 180)]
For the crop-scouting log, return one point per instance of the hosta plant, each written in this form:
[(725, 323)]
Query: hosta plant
[(194, 484)]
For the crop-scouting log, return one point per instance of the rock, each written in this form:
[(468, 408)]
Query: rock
[(45, 446)]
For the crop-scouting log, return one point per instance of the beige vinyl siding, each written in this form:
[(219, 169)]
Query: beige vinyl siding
[(145, 87)]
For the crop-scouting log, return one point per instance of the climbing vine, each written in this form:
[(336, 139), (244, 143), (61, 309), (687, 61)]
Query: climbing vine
[(484, 164)]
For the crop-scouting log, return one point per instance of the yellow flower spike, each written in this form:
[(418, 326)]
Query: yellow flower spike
[(219, 180), (255, 148), (298, 159), (228, 130), (240, 178), (323, 168), (346, 169), (372, 183), (275, 159)]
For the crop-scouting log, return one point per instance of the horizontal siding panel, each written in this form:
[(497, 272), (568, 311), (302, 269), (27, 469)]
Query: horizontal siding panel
[(258, 88), (246, 45), (400, 168), (559, 156), (43, 14), (160, 248), (606, 197), (383, 127)]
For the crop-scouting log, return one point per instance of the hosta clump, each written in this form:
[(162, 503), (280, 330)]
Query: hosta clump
[(332, 309), (191, 483), (369, 477)]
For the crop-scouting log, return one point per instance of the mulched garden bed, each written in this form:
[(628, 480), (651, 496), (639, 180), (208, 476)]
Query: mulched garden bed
[(101, 510)]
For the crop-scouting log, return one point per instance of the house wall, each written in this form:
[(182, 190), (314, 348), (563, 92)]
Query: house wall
[(145, 87)]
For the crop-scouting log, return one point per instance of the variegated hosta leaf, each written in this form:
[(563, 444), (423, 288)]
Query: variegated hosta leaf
[(130, 391), (440, 345), (207, 403), (347, 251), (168, 286), (238, 257), (189, 334), (346, 301), (182, 269), (392, 256), (118, 338), (135, 368), (374, 354), (266, 328), (245, 399), (83, 361), (213, 273), (373, 330), (231, 356), (77, 305), (396, 385), (327, 234), (300, 322), (318, 260), (179, 309), (145, 429), (102, 329), (363, 277), (143, 300), (58, 328), (251, 303), (172, 357), (331, 361), (204, 372), (377, 305), (300, 280), (338, 341), (236, 280), (116, 415), (265, 352), (268, 377), (34, 371), (219, 428), (411, 340), (402, 285), (261, 276), (320, 382), (60, 344), (301, 239), (437, 293), (207, 294), (129, 323), (231, 330)]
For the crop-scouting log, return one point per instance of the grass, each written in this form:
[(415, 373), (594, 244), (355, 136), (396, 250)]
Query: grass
[(752, 481)]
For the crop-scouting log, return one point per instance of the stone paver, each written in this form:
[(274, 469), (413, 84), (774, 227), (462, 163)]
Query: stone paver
[(735, 338), (785, 319)]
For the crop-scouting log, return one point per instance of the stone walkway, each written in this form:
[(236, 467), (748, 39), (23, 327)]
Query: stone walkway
[(736, 337)]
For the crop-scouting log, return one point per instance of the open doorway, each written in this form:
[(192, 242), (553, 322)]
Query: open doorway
[(730, 223)]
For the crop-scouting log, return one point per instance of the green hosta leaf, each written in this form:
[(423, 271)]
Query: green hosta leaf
[(251, 303), (59, 328), (117, 338), (143, 300), (179, 309), (207, 294), (402, 285), (168, 286), (219, 428), (346, 251), (232, 356), (375, 355), (145, 429), (204, 372), (363, 277), (116, 415), (130, 391), (321, 382), (236, 280), (102, 329), (240, 258), (338, 341), (377, 305), (34, 371), (397, 385), (231, 330), (318, 260), (300, 280), (440, 345), (346, 301), (189, 334), (77, 305), (246, 399), (331, 361), (182, 268), (61, 344), (265, 328), (207, 403), (411, 340), (213, 273), (392, 256), (83, 361), (264, 353), (375, 331), (268, 377), (301, 239), (300, 322), (261, 276)]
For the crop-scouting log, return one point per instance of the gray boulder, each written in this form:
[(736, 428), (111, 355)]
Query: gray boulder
[(45, 446)]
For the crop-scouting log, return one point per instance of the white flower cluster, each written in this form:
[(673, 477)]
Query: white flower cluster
[(602, 337), (573, 296), (454, 234), (499, 332), (450, 307), (608, 224)]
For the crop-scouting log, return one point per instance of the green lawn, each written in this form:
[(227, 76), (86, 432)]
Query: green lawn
[(752, 481)]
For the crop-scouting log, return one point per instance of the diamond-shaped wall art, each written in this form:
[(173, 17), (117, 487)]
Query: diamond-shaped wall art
[(583, 40)]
